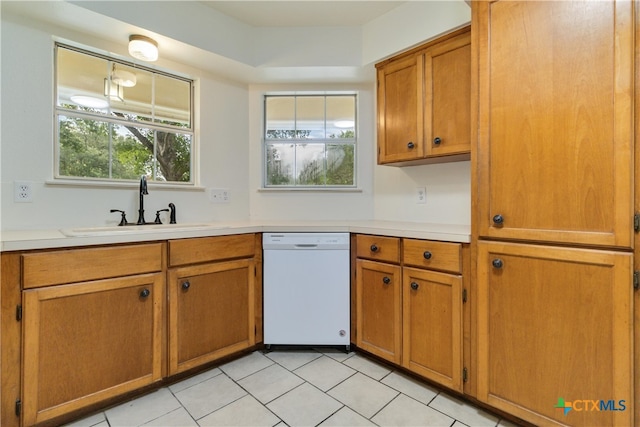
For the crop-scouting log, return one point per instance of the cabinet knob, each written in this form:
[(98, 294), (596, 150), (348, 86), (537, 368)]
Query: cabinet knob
[(145, 293), (437, 140), (414, 286), (497, 263), (374, 248), (427, 255), (386, 280), (498, 219), (411, 145), (186, 285)]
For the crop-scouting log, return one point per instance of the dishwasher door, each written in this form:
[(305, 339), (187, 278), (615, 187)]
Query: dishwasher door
[(306, 288)]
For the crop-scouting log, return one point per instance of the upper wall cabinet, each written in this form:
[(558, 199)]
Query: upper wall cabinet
[(424, 103), (555, 117)]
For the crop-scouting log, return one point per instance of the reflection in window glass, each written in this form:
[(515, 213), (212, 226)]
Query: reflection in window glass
[(321, 130), (119, 120)]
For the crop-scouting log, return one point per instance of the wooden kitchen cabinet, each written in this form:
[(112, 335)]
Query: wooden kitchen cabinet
[(379, 309), (553, 323), (555, 120), (432, 325), (379, 296), (432, 314), (89, 341), (212, 305), (424, 103)]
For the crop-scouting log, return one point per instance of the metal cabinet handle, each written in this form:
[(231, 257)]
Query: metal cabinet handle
[(437, 140), (374, 248), (386, 280), (411, 145), (427, 255), (414, 286), (498, 219), (145, 293), (497, 263), (186, 285)]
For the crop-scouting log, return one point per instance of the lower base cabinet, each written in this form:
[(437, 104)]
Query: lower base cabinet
[(90, 341), (211, 312), (432, 326), (555, 335)]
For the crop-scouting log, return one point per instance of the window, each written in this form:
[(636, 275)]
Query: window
[(117, 120), (310, 141)]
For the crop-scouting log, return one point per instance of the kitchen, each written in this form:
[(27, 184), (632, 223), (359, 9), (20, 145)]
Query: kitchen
[(234, 112)]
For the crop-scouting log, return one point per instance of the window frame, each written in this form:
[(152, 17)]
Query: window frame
[(60, 110), (325, 141)]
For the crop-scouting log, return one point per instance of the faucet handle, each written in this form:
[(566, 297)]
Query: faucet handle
[(157, 221), (123, 219)]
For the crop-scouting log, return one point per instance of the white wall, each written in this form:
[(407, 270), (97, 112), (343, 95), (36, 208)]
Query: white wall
[(27, 143), (229, 131)]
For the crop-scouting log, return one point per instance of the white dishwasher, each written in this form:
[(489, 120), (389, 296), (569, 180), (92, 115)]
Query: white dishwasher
[(306, 289)]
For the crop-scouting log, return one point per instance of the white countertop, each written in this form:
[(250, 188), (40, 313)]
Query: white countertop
[(15, 240)]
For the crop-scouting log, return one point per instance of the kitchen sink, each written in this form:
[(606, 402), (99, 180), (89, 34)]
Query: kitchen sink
[(136, 229)]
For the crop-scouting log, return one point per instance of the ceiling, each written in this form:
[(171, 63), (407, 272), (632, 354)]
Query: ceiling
[(333, 13)]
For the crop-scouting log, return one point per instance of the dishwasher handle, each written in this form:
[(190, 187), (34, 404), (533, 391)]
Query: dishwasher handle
[(306, 245)]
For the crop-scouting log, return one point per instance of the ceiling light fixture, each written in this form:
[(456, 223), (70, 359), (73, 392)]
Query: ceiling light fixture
[(89, 101), (123, 78), (143, 48), (113, 90)]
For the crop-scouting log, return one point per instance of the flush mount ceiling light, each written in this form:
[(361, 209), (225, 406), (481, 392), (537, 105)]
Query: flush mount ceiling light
[(123, 78), (143, 48), (89, 101)]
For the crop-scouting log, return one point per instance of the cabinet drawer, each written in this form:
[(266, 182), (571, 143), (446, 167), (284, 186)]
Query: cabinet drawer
[(378, 248), (81, 265), (433, 255), (206, 249)]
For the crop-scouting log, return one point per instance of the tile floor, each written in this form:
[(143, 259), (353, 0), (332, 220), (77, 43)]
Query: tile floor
[(324, 387)]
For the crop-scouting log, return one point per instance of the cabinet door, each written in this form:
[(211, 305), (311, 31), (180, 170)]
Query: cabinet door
[(400, 110), (87, 342), (448, 97), (379, 309), (211, 312), (554, 327), (555, 120), (432, 325)]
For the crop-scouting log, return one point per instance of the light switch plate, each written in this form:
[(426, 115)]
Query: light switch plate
[(219, 195)]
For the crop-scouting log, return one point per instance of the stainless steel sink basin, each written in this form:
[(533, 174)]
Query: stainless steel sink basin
[(136, 229)]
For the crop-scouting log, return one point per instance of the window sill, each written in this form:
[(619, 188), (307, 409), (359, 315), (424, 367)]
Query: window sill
[(126, 184), (309, 190)]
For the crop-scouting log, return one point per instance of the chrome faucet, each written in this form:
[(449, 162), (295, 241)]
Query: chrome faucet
[(143, 192)]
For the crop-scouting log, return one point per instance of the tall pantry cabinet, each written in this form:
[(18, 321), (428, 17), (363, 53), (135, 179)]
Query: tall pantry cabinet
[(553, 200)]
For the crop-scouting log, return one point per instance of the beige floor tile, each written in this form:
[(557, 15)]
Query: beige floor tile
[(367, 367), (411, 387), (507, 423), (178, 418), (209, 396), (270, 383), (363, 395), (246, 365), (175, 388), (143, 409), (304, 406), (245, 411), (346, 417), (404, 411), (293, 359), (324, 372), (463, 412)]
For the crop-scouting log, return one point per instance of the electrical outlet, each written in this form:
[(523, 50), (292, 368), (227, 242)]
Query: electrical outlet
[(22, 192), (219, 195), (421, 195)]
